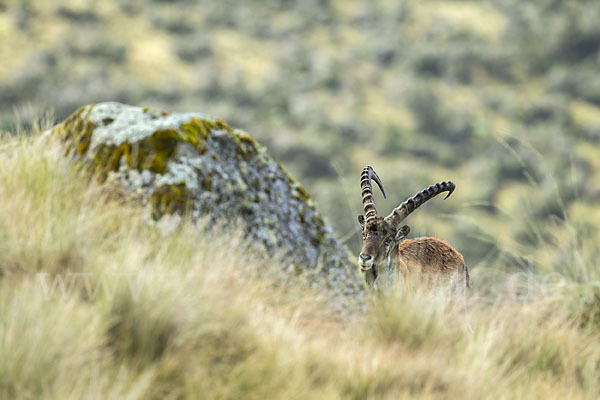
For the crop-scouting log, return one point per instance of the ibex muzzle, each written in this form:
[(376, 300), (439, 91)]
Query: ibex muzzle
[(382, 250)]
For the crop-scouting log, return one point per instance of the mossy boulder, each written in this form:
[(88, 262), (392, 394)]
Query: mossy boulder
[(193, 164)]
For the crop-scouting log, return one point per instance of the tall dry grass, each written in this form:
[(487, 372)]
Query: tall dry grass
[(192, 315)]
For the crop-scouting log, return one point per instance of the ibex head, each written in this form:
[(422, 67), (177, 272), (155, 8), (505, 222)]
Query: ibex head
[(381, 236)]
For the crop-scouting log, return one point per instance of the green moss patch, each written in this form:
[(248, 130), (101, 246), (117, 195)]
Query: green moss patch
[(246, 145), (170, 199), (197, 127), (300, 193), (76, 131)]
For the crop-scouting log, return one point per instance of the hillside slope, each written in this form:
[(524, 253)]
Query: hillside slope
[(97, 303)]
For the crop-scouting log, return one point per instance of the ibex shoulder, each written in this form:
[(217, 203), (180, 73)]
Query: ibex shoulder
[(430, 251)]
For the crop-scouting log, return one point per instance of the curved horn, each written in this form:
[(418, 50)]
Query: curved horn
[(412, 203), (367, 192)]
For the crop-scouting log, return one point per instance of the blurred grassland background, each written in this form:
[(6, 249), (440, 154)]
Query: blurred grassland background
[(500, 96)]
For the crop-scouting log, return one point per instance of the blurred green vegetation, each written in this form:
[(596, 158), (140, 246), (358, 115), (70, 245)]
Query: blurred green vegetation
[(500, 96)]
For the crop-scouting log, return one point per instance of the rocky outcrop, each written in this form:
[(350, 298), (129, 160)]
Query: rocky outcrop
[(193, 164)]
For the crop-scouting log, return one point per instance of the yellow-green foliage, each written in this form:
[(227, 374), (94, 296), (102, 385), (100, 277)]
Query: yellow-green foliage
[(191, 315)]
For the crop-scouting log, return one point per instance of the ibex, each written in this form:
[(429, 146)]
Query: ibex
[(385, 256)]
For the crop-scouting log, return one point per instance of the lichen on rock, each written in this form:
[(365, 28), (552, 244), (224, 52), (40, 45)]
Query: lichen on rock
[(191, 163)]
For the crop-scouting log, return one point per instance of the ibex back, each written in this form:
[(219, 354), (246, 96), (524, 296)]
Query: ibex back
[(386, 256)]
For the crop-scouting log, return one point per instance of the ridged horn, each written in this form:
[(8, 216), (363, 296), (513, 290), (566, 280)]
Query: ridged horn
[(367, 192), (399, 213)]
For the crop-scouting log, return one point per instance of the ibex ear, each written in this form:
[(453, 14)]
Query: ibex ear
[(402, 233), (361, 220)]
